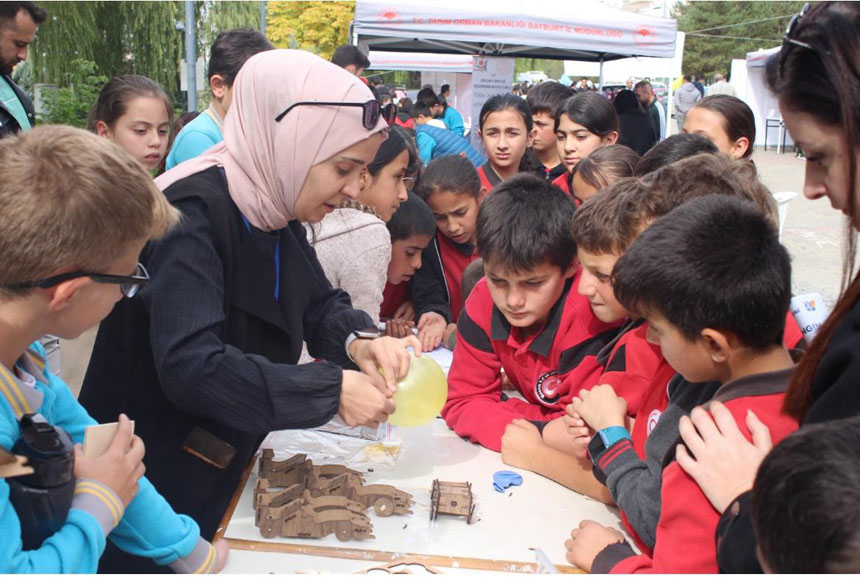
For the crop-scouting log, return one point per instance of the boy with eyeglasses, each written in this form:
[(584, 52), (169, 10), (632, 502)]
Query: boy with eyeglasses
[(76, 211)]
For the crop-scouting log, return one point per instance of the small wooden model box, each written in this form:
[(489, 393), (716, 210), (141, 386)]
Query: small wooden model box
[(452, 499)]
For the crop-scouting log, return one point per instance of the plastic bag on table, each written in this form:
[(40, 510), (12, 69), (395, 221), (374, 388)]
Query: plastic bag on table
[(335, 443)]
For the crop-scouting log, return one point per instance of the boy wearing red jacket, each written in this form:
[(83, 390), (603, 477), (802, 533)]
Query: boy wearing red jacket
[(525, 317), (603, 228), (714, 284)]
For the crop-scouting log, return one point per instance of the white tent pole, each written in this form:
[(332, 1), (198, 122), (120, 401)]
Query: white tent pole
[(601, 72)]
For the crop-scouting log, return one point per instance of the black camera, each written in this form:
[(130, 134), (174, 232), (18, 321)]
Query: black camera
[(42, 499)]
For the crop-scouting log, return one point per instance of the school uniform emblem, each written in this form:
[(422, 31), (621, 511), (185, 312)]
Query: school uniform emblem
[(548, 388), (653, 419)]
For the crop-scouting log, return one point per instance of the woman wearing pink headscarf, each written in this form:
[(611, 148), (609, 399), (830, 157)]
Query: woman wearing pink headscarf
[(204, 361)]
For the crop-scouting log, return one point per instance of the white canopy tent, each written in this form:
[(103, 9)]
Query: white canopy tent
[(636, 67), (582, 30), (748, 79), (454, 63)]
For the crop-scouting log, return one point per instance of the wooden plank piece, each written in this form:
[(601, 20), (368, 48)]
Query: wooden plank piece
[(390, 556)]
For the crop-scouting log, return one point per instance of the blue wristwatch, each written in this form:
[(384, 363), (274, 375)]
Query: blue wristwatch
[(611, 435)]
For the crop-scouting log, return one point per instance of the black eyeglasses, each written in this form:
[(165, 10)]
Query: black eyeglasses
[(129, 285), (792, 26), (369, 117)]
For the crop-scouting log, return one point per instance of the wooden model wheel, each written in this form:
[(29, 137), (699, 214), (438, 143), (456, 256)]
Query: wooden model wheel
[(384, 506), (343, 531)]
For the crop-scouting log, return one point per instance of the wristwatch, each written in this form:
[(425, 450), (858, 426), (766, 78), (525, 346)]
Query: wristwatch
[(604, 439), (370, 333), (364, 334)]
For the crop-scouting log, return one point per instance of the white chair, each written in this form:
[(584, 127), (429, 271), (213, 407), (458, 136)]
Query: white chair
[(782, 201)]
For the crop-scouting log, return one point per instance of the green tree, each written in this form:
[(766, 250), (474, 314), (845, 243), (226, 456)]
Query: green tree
[(318, 27), (129, 37), (71, 104), (552, 68), (717, 32)]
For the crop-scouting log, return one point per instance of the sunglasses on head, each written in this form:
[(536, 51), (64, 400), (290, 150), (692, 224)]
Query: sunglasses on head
[(369, 117), (128, 285), (792, 27)]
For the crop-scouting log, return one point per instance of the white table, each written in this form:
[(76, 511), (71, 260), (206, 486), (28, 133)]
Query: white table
[(540, 513)]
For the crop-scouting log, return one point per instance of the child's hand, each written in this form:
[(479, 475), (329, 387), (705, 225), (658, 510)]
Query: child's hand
[(222, 549), (449, 336), (577, 428), (431, 328), (406, 312), (398, 328), (600, 407), (519, 442), (555, 435), (120, 467), (588, 541)]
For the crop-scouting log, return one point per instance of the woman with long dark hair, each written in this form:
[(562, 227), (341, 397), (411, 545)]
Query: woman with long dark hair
[(816, 77)]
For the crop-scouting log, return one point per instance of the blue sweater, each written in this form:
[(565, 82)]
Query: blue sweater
[(148, 527), (434, 142), (194, 139)]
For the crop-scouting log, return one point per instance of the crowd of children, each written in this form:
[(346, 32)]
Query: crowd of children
[(619, 324)]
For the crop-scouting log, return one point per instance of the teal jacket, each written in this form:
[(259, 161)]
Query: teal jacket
[(194, 139), (434, 142), (148, 527), (454, 121)]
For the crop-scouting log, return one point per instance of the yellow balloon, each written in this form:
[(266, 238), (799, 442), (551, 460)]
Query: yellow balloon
[(421, 394)]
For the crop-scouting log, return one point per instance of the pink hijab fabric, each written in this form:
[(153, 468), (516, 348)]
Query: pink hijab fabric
[(267, 162)]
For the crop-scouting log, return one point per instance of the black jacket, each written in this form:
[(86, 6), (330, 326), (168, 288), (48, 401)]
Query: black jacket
[(207, 346), (834, 396), (8, 123), (637, 132)]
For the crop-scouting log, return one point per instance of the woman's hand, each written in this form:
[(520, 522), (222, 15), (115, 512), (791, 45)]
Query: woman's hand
[(362, 403), (385, 360), (723, 462)]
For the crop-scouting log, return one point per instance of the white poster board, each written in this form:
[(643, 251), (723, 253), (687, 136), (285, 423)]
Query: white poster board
[(490, 76)]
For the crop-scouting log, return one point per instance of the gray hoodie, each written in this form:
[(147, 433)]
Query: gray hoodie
[(686, 97)]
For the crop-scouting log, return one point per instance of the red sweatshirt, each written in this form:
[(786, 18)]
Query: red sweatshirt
[(393, 296), (547, 368)]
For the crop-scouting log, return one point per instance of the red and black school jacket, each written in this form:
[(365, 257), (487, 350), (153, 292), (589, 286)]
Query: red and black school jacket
[(489, 177), (437, 285), (393, 296), (630, 363), (547, 368), (635, 364), (685, 532), (565, 183)]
